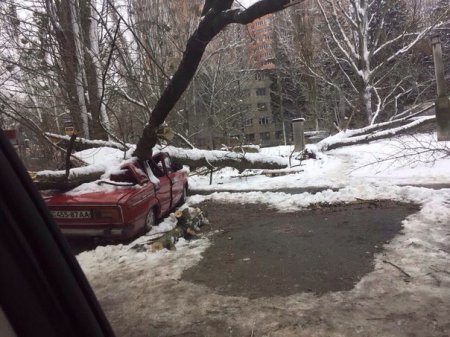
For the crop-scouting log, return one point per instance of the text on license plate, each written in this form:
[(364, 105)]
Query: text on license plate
[(71, 214)]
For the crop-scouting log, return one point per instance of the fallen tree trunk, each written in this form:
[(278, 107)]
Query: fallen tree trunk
[(195, 158), (59, 180), (364, 139)]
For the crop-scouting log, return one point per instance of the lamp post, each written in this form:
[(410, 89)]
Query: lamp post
[(442, 101)]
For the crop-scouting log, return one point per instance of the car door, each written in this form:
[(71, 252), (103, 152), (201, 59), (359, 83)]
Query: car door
[(164, 190), (176, 180)]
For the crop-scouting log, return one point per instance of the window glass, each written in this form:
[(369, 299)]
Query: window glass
[(261, 92), (157, 167)]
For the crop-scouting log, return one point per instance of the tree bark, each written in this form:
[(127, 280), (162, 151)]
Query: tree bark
[(220, 159)]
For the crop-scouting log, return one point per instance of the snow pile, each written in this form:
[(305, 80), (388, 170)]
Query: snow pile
[(406, 294), (187, 253), (217, 155), (284, 202), (91, 187), (281, 151), (77, 171), (161, 263), (326, 171), (107, 157), (418, 159), (167, 225)]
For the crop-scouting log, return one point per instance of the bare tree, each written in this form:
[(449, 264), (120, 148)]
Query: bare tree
[(298, 48), (368, 50)]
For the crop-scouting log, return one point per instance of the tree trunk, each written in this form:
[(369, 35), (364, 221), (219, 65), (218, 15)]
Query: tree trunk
[(366, 103), (68, 36), (194, 158), (93, 69)]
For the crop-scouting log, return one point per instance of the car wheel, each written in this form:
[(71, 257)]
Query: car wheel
[(150, 220)]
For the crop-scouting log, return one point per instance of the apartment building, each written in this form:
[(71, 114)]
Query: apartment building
[(262, 119), (262, 122)]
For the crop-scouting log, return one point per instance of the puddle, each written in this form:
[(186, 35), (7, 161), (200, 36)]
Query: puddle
[(259, 252)]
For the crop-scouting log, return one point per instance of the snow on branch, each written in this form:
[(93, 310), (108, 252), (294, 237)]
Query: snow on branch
[(195, 158), (88, 142), (341, 140), (349, 56), (409, 46)]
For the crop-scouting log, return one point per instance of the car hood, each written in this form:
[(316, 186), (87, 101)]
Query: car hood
[(107, 197)]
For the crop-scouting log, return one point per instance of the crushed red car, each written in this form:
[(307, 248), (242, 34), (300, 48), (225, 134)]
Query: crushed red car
[(131, 202)]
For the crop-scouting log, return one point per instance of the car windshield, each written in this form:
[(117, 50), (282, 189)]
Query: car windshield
[(123, 175)]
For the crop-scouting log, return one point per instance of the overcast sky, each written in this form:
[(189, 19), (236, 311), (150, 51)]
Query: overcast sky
[(246, 3)]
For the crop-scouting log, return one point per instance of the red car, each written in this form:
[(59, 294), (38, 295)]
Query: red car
[(142, 192)]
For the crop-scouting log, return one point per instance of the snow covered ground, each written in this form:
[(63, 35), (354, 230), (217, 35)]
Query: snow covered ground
[(403, 160), (407, 294)]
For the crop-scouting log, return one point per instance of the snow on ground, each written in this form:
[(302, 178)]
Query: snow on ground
[(284, 202), (402, 160), (143, 293), (407, 294)]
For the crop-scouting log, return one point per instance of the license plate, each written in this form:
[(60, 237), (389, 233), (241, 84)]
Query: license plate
[(72, 214)]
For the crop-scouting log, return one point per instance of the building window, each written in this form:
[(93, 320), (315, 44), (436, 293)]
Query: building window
[(248, 122), (261, 92), (264, 135), (264, 121), (262, 106), (250, 137), (259, 75), (279, 135)]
